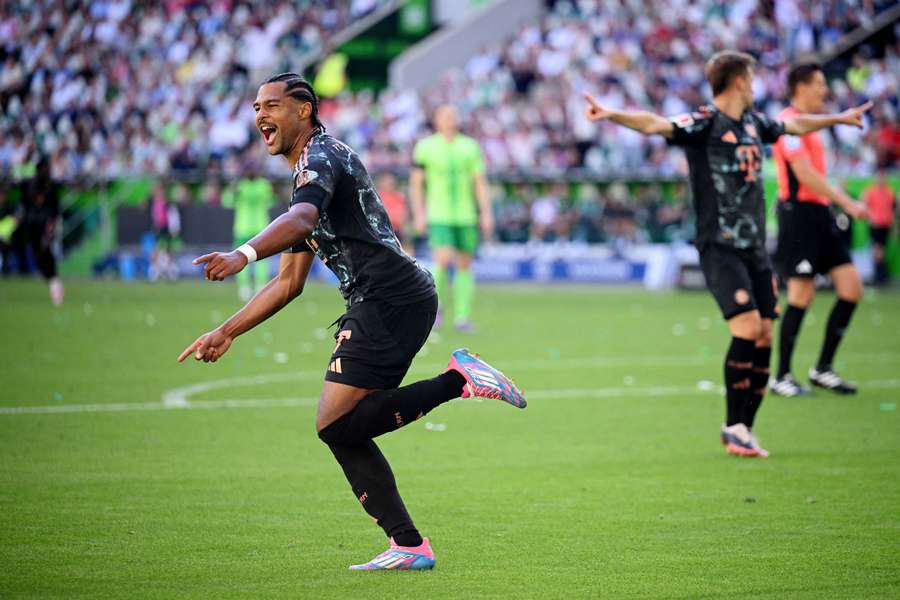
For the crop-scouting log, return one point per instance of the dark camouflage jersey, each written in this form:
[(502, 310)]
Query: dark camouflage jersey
[(725, 162), (353, 235)]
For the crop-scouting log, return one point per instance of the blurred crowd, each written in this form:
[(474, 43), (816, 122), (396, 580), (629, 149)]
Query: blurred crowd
[(521, 98), (108, 88), (614, 214), (111, 88)]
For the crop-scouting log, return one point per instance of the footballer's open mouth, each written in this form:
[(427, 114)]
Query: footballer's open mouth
[(268, 132)]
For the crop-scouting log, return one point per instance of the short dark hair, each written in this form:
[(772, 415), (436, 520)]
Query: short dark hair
[(724, 66), (801, 73), (299, 89)]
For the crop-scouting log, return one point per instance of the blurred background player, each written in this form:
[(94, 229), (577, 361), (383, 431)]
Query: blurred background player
[(881, 202), (165, 219), (251, 198), (8, 224), (397, 209), (455, 200), (724, 147), (37, 228), (809, 239)]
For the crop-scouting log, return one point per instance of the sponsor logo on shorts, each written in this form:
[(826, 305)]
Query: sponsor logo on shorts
[(803, 267), (742, 296), (335, 366)]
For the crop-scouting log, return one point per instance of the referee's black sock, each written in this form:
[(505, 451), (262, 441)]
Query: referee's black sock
[(834, 332), (386, 410), (759, 381), (787, 337), (373, 482), (738, 368)]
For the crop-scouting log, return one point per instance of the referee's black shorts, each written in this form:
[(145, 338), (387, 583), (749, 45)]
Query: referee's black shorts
[(739, 280), (377, 341), (809, 240)]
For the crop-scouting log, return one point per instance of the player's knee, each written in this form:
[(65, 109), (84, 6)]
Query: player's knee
[(765, 336), (801, 294), (852, 293), (746, 325), (330, 434)]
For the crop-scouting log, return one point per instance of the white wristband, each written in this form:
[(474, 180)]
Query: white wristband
[(248, 251)]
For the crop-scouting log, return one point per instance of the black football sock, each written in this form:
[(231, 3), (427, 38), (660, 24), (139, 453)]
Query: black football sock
[(386, 410), (738, 367), (834, 332), (787, 337), (373, 482), (759, 381)]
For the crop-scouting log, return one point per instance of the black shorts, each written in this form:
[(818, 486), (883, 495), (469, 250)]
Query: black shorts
[(880, 235), (377, 341), (809, 240), (740, 281)]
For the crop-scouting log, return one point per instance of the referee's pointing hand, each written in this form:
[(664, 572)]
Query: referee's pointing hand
[(854, 116), (220, 265)]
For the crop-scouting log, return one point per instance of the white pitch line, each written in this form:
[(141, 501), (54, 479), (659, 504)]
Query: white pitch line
[(540, 394), (179, 396)]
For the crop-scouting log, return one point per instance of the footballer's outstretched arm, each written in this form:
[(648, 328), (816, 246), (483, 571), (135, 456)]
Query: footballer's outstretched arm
[(803, 124), (293, 271), (285, 232), (813, 180), (641, 121)]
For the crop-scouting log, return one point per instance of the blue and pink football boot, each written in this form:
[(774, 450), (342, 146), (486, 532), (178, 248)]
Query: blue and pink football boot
[(483, 380), (401, 558)]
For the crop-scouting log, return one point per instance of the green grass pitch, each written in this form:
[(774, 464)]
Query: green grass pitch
[(611, 484)]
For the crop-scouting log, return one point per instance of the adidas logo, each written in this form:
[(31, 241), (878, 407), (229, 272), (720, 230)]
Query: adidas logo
[(803, 267), (485, 378)]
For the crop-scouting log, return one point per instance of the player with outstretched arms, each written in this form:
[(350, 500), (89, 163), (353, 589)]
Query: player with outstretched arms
[(724, 143)]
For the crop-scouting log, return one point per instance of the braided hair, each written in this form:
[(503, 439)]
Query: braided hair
[(300, 89)]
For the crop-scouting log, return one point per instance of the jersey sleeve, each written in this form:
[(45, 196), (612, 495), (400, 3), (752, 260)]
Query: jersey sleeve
[(769, 129), (690, 129), (315, 182)]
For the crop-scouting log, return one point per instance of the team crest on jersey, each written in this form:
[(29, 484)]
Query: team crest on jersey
[(730, 137), (305, 176), (750, 128)]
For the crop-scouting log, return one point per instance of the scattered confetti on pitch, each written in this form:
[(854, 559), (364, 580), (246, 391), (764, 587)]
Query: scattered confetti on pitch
[(281, 358), (435, 426), (705, 385)]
